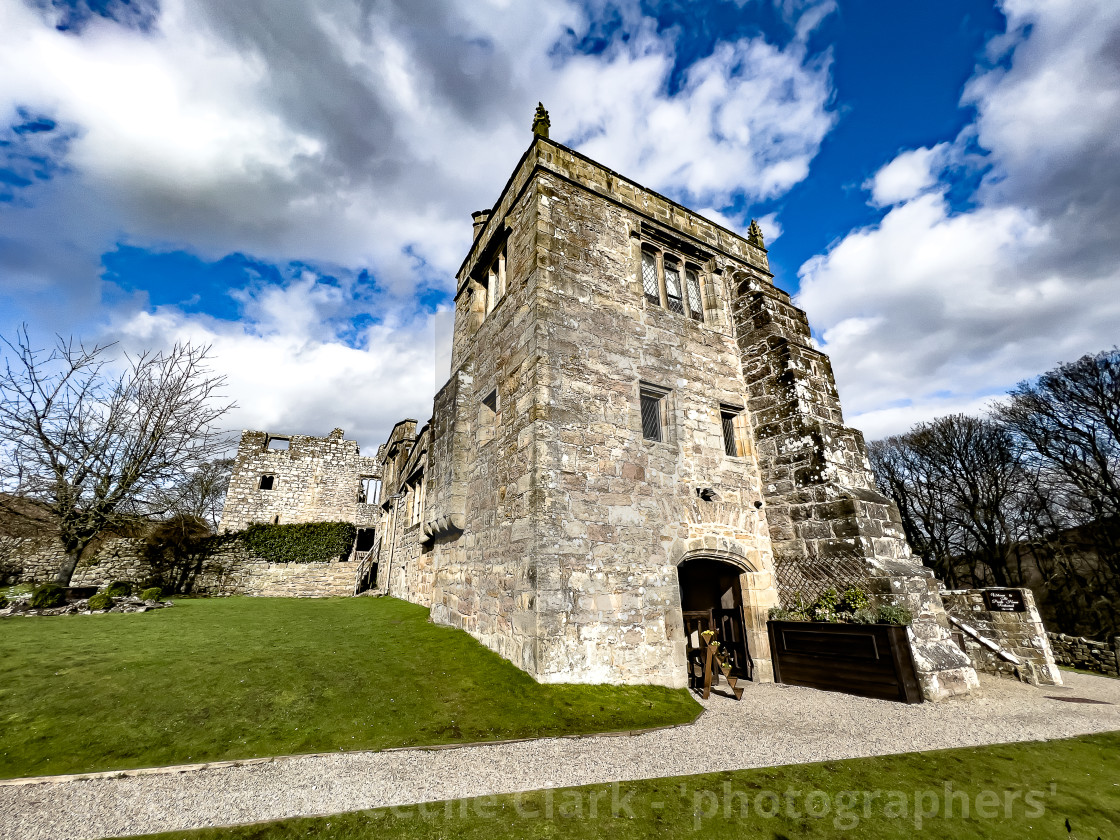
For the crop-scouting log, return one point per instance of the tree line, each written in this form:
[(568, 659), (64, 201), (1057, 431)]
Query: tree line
[(1026, 495)]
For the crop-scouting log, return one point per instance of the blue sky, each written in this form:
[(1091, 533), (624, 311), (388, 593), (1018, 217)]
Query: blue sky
[(293, 184)]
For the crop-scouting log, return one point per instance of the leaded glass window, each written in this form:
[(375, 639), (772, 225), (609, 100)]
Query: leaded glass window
[(695, 304), (673, 287), (649, 277)]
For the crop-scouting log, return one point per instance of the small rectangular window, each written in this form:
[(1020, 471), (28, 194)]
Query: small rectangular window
[(649, 277), (279, 444), (734, 436), (491, 401), (695, 303), (673, 287), (654, 413), (267, 482)]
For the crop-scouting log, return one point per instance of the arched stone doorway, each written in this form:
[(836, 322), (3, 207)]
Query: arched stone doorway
[(725, 595)]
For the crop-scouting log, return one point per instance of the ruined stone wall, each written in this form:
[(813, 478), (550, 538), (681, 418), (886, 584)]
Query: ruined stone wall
[(1021, 634), (314, 480), (1086, 654)]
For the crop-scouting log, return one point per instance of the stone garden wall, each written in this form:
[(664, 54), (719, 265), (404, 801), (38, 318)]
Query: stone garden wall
[(1019, 632), (229, 570), (1086, 654)]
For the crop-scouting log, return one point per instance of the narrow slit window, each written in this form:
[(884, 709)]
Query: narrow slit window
[(673, 288), (654, 414), (267, 482), (649, 277), (734, 436), (491, 401), (695, 303)]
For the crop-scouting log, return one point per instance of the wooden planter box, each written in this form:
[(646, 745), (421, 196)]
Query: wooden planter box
[(869, 660)]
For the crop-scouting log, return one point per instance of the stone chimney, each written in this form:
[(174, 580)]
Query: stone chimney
[(479, 217)]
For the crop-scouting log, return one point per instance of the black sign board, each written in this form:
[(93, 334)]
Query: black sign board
[(1004, 600)]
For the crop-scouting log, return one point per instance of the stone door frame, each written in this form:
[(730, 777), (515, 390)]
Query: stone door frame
[(759, 595)]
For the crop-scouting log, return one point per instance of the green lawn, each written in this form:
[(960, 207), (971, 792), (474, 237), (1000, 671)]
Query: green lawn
[(1012, 792), (244, 677)]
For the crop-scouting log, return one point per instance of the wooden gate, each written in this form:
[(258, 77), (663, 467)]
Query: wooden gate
[(869, 660)]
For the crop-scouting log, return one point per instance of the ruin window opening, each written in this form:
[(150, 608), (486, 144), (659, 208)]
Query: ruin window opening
[(416, 501), (492, 282), (278, 444), (488, 417), (369, 490), (654, 412), (267, 482)]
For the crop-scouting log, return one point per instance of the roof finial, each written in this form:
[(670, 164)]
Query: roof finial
[(541, 122), (754, 235)]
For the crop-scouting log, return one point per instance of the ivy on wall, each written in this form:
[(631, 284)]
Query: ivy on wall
[(310, 542)]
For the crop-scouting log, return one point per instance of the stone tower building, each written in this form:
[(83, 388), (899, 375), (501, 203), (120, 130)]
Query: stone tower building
[(636, 427), (299, 478)]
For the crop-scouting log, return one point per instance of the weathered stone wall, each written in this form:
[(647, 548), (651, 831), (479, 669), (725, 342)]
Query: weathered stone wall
[(229, 570), (314, 480), (1021, 634), (1086, 654), (553, 528)]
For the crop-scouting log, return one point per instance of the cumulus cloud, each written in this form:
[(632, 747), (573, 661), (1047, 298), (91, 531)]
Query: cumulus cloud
[(359, 135), (907, 176), (937, 309)]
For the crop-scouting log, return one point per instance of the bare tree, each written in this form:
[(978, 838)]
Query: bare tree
[(202, 492), (1069, 420), (98, 447), (959, 483), (902, 474)]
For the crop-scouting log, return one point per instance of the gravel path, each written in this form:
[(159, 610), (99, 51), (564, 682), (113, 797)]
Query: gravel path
[(775, 724)]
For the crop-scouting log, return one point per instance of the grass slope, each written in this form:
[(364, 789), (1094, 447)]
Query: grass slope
[(1012, 791), (244, 677)]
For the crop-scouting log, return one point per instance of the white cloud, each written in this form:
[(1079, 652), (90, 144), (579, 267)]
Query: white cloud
[(907, 176), (286, 378), (359, 135), (931, 310)]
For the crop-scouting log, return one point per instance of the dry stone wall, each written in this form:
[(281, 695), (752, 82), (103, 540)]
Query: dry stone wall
[(1021, 634), (1086, 654)]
